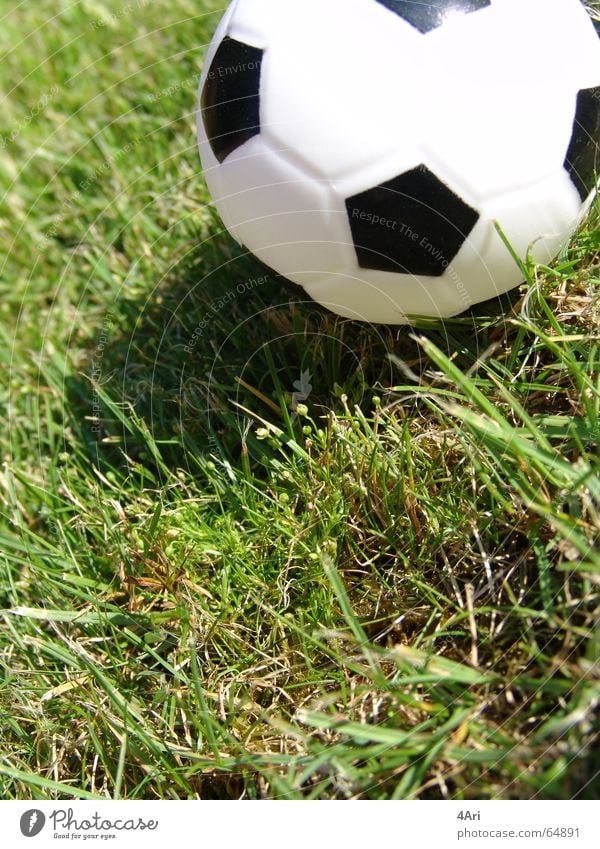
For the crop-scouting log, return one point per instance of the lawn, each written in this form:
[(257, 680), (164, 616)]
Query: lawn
[(211, 590)]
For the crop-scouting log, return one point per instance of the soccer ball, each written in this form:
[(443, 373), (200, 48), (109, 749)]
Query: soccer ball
[(382, 153)]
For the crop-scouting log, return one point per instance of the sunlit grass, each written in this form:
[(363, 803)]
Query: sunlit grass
[(208, 590)]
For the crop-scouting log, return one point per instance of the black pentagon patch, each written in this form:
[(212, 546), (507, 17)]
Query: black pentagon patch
[(413, 224), (230, 97), (582, 160), (426, 15)]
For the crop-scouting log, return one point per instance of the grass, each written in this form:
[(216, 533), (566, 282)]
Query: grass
[(206, 595)]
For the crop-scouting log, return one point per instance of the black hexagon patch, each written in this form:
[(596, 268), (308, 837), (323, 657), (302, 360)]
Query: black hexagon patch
[(583, 159), (426, 15), (413, 224), (230, 97)]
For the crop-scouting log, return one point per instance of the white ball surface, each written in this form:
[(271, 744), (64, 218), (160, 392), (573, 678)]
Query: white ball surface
[(365, 149)]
